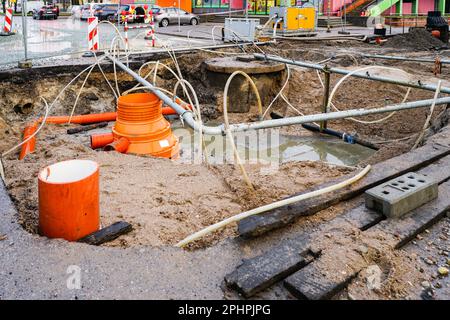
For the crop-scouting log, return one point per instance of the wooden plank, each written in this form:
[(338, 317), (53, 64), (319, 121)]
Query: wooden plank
[(313, 283), (107, 234), (381, 172), (259, 273)]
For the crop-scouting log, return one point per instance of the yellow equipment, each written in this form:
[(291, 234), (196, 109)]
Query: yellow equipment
[(294, 20)]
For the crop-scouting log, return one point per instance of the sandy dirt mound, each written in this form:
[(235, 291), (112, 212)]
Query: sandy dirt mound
[(164, 200)]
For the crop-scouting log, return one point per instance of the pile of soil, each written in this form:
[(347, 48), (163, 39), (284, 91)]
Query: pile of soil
[(416, 39)]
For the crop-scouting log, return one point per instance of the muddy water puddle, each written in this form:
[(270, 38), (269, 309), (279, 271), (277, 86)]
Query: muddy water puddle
[(271, 146)]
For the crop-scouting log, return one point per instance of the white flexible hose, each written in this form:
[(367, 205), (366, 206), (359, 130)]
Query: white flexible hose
[(274, 35), (428, 119), (78, 95), (227, 124), (48, 109), (199, 115), (333, 92), (279, 92), (104, 76), (271, 206)]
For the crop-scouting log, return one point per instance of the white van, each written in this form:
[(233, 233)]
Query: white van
[(31, 6)]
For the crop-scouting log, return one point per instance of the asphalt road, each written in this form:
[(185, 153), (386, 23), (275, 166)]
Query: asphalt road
[(68, 37)]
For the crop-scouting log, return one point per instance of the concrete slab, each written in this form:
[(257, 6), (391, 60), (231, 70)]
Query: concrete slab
[(398, 196)]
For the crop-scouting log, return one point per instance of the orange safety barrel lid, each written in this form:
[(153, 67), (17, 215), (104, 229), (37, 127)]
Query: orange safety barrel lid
[(69, 199)]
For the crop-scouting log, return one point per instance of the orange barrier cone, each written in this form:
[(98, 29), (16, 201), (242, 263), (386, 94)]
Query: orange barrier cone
[(69, 199)]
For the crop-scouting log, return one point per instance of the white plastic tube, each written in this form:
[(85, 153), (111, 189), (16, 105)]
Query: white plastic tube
[(333, 92), (227, 123), (271, 206), (428, 119)]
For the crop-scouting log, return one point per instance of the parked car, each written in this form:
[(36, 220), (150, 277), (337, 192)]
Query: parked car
[(45, 12), (87, 9), (54, 7), (31, 6), (105, 11), (172, 15), (109, 11), (139, 10), (75, 11)]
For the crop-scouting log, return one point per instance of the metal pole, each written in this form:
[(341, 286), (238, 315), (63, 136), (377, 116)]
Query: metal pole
[(399, 58), (344, 31), (246, 9), (345, 18), (326, 95), (119, 12), (328, 18), (325, 117), (179, 16), (191, 49), (25, 63), (24, 27), (188, 118), (366, 75), (390, 19)]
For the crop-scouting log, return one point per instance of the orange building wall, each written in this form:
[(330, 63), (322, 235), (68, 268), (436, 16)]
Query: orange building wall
[(186, 5)]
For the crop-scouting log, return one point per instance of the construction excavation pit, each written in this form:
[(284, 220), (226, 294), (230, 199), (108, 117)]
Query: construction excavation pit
[(238, 154)]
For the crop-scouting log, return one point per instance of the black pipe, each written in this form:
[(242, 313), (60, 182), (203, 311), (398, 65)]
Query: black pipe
[(341, 135), (87, 127)]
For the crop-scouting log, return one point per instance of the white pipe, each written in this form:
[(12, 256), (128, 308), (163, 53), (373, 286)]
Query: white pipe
[(274, 35), (271, 206), (428, 119)]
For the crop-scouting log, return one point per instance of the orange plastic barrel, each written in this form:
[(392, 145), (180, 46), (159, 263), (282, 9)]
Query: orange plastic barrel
[(69, 199)]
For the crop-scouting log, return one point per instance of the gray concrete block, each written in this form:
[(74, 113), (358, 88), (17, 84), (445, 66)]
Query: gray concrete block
[(401, 195)]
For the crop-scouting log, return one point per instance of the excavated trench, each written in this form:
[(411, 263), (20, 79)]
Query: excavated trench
[(167, 200)]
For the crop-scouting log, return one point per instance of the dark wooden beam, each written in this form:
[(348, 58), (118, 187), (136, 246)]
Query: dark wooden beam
[(259, 273), (107, 234)]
